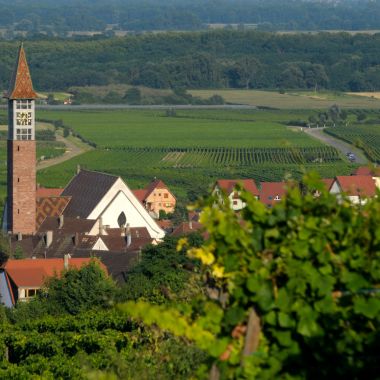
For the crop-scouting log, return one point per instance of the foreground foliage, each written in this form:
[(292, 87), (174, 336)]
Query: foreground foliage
[(293, 290), (73, 332)]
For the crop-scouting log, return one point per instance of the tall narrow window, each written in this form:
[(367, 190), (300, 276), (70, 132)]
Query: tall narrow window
[(122, 220)]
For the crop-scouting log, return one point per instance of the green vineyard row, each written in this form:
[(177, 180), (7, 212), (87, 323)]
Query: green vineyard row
[(220, 156), (366, 137)]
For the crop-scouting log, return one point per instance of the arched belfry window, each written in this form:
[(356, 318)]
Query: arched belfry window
[(122, 220)]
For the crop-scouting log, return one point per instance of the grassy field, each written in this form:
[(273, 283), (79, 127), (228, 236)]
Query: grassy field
[(191, 149), (292, 99), (198, 128)]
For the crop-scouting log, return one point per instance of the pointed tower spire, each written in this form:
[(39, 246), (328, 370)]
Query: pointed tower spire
[(21, 86)]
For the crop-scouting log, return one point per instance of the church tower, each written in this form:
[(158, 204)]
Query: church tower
[(21, 200)]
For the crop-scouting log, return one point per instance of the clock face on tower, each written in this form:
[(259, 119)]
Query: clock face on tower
[(23, 118)]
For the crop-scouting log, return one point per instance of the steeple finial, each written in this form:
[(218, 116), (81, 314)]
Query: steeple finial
[(21, 86)]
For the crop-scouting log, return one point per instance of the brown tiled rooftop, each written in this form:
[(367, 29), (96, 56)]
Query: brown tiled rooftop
[(21, 86), (228, 185), (33, 272), (357, 185)]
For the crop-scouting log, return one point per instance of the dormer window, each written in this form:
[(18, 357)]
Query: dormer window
[(277, 198)]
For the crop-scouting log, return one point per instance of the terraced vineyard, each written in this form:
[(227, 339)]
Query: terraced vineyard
[(366, 137)]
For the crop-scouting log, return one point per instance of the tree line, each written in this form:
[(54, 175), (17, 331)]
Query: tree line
[(218, 59), (141, 15)]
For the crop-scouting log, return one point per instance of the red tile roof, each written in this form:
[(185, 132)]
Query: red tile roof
[(21, 86), (186, 228), (365, 170), (357, 185), (140, 194), (155, 184), (270, 190), (43, 192), (165, 224), (34, 272), (328, 182), (228, 185)]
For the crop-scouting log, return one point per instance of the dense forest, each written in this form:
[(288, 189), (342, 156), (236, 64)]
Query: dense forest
[(140, 15), (218, 59)]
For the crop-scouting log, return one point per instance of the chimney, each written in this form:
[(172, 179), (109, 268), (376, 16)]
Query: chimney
[(66, 261), (48, 238), (19, 236), (61, 221), (190, 224), (101, 227), (128, 235)]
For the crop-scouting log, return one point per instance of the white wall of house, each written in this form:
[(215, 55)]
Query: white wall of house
[(335, 188), (354, 199), (121, 199), (100, 246), (22, 293), (236, 203), (95, 230), (377, 182)]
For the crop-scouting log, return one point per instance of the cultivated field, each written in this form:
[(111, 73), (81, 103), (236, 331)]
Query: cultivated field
[(187, 129), (366, 137), (292, 99), (194, 147)]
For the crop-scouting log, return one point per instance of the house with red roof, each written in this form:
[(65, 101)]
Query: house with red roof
[(366, 170), (156, 197), (357, 188), (229, 187), (186, 228), (272, 192), (21, 280), (373, 172)]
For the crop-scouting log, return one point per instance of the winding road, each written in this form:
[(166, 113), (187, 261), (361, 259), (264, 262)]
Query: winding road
[(340, 145), (72, 150)]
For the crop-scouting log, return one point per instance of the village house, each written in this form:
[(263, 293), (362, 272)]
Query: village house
[(373, 172), (272, 192), (230, 189), (156, 198), (357, 188), (21, 280)]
